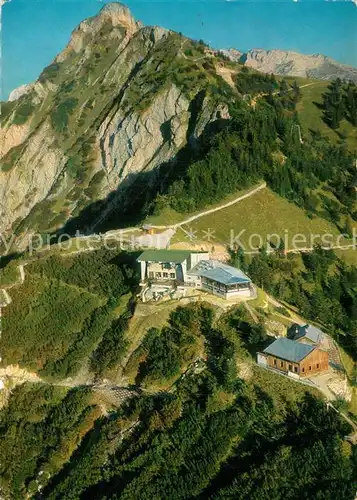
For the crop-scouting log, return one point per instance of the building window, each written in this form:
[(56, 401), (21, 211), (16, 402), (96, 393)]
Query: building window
[(303, 370), (166, 275), (158, 275), (290, 367), (309, 368), (274, 361), (295, 369), (317, 366), (151, 274), (282, 364), (172, 275)]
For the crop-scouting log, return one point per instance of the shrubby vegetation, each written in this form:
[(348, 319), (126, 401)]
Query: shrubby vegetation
[(255, 83), (61, 113), (113, 345), (166, 352), (211, 435), (7, 108), (12, 156), (189, 71), (64, 309), (50, 73), (44, 319), (39, 430), (102, 272), (181, 450), (23, 112)]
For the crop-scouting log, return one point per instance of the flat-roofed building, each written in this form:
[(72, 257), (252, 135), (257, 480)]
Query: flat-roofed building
[(165, 270), (220, 279)]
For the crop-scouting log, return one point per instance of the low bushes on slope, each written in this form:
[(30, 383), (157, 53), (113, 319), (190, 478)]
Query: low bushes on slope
[(64, 309)]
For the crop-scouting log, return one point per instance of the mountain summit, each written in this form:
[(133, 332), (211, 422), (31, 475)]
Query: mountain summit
[(117, 102)]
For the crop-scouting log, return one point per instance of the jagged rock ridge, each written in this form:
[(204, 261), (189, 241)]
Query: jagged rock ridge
[(289, 63)]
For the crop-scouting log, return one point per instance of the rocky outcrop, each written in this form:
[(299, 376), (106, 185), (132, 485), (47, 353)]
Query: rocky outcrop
[(32, 177), (13, 136), (20, 91), (116, 14), (232, 54), (289, 63), (131, 143), (104, 112)]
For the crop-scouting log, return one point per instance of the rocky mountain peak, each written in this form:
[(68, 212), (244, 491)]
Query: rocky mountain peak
[(118, 103), (119, 15), (115, 14)]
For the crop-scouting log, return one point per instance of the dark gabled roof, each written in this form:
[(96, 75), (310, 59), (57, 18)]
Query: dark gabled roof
[(176, 256), (219, 272), (289, 350), (310, 332)]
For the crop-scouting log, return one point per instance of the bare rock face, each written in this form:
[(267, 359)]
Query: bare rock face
[(104, 112), (30, 182), (232, 54), (12, 136), (289, 63), (129, 140), (20, 91)]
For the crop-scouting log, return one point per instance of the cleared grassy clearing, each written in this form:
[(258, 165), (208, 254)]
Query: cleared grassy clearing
[(280, 388), (169, 216), (262, 215), (349, 256)]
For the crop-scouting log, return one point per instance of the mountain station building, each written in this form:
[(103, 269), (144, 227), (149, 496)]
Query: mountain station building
[(167, 271)]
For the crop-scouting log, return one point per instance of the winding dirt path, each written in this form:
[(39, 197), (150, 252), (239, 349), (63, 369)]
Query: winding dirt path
[(216, 209)]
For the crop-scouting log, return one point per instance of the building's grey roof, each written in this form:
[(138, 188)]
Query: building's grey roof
[(219, 272), (289, 350), (310, 332), (176, 256)]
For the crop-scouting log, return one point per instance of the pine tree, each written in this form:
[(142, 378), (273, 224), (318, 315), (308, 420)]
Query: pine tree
[(296, 92)]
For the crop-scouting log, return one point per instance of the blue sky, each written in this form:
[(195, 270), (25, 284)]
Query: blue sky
[(34, 31)]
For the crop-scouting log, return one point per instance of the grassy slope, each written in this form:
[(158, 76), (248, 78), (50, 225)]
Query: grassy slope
[(44, 319), (349, 366), (169, 216), (51, 312), (311, 115), (263, 214)]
